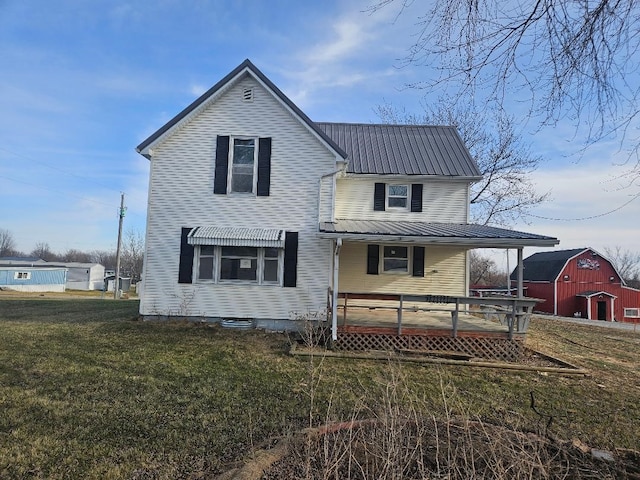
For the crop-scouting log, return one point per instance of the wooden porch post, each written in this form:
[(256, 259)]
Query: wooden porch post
[(454, 319), (334, 307), (520, 273), (400, 316), (517, 311)]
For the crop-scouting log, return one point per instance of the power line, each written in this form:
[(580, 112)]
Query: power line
[(591, 217), (87, 179), (56, 191)]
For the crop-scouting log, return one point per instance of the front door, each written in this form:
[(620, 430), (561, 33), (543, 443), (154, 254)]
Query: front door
[(602, 310)]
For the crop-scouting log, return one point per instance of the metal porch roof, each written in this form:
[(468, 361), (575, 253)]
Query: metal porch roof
[(471, 235), (236, 237)]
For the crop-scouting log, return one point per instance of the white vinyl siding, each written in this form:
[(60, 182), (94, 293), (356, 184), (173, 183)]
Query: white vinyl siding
[(444, 273), (442, 201), (327, 201), (180, 195)]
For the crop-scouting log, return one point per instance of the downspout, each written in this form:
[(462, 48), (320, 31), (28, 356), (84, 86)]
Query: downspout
[(334, 300), (333, 199)]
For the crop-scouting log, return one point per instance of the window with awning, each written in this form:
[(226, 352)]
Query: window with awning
[(238, 255)]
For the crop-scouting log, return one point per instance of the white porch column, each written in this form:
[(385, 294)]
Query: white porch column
[(520, 273), (613, 310), (334, 300)]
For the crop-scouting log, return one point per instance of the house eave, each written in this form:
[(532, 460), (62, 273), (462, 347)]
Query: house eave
[(443, 241), (411, 178)]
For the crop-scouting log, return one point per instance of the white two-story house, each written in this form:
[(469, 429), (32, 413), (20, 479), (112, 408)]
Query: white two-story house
[(257, 212)]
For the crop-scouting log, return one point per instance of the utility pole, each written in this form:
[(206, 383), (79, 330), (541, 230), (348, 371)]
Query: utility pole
[(116, 287)]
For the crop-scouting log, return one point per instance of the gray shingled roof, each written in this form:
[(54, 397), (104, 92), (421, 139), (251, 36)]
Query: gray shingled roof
[(546, 266), (402, 149), (446, 233)]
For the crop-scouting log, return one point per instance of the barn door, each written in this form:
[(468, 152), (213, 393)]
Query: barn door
[(602, 310)]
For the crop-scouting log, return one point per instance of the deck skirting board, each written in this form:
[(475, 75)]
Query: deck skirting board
[(496, 347)]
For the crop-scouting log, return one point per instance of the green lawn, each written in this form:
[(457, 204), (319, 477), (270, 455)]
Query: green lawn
[(88, 391)]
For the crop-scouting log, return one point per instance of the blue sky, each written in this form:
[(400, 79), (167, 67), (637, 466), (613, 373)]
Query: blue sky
[(82, 83)]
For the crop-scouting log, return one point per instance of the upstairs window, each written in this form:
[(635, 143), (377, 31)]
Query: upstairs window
[(397, 196), (243, 164)]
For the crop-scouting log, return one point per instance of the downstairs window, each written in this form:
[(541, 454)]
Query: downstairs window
[(255, 265)]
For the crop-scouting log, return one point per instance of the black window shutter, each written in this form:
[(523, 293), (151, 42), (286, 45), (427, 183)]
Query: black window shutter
[(373, 259), (416, 197), (222, 165), (378, 197), (418, 261), (290, 259), (185, 270), (264, 167)]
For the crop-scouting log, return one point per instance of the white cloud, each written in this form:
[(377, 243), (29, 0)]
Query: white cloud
[(196, 89), (356, 51)]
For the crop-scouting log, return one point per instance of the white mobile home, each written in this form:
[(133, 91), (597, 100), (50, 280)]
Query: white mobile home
[(33, 279)]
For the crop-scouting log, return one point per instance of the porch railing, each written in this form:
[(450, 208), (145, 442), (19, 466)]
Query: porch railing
[(513, 312)]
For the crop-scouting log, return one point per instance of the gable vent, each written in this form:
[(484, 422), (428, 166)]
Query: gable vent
[(247, 95)]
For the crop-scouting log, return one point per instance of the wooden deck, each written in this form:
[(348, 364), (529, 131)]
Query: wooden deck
[(435, 322), (477, 327)]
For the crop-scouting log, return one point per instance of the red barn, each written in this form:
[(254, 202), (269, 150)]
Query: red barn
[(580, 283)]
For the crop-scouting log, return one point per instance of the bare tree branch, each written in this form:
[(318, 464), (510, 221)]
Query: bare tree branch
[(626, 262), (7, 243), (573, 59), (506, 192)]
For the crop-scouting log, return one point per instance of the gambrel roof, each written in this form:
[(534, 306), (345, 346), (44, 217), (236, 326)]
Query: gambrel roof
[(403, 149), (546, 266)]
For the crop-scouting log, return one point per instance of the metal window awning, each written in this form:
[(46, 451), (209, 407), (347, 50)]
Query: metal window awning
[(236, 237)]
